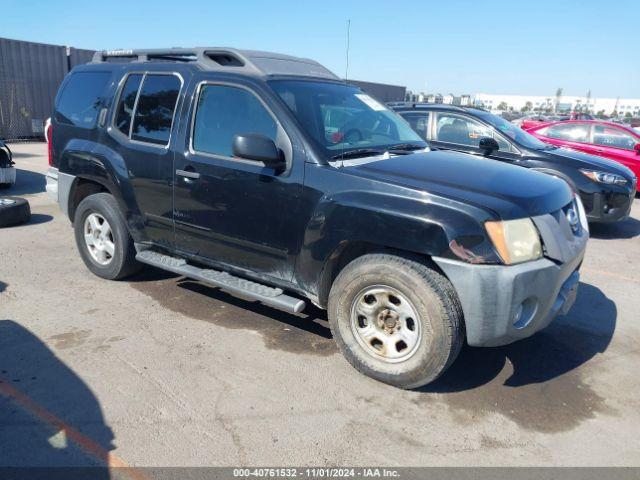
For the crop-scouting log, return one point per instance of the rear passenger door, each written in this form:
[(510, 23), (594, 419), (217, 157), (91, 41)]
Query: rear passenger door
[(232, 211), (142, 126)]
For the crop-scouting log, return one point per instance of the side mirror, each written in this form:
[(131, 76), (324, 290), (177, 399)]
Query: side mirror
[(636, 147), (253, 146), (488, 145)]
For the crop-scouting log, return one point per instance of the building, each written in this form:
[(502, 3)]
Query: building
[(567, 103)]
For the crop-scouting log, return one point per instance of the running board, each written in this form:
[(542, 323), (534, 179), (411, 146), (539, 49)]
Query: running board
[(273, 297)]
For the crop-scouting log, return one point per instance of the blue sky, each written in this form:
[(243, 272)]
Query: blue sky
[(452, 46)]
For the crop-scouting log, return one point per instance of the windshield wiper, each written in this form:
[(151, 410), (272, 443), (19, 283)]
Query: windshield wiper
[(359, 152), (406, 147)]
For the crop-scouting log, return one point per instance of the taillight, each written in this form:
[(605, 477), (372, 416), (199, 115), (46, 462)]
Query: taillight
[(49, 143)]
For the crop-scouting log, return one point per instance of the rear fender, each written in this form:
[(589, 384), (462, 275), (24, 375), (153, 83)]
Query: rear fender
[(84, 159)]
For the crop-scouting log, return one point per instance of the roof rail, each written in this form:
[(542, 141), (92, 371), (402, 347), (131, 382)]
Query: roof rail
[(224, 59), (427, 105)]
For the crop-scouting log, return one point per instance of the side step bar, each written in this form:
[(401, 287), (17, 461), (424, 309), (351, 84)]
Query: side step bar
[(273, 297)]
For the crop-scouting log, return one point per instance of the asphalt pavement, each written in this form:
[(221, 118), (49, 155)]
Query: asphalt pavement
[(159, 370)]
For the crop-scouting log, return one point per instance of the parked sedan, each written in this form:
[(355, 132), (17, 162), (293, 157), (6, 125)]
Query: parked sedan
[(605, 187), (606, 139)]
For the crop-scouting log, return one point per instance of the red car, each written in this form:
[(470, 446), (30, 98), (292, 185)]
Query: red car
[(605, 139), (531, 121)]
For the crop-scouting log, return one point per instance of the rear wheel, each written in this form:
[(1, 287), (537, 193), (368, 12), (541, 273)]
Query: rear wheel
[(103, 239), (395, 319)]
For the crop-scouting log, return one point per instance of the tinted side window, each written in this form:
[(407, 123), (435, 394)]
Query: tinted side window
[(80, 101), (224, 112), (572, 132), (156, 104), (126, 103), (612, 137), (465, 131), (418, 121)]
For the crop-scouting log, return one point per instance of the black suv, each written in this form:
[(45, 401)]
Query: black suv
[(607, 188), (269, 177)]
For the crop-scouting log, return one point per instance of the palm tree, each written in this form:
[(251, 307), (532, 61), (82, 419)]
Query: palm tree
[(558, 97)]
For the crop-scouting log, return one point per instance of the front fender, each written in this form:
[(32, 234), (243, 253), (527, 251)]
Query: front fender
[(425, 226)]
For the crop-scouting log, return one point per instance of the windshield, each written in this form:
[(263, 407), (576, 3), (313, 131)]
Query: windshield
[(512, 131), (341, 118)]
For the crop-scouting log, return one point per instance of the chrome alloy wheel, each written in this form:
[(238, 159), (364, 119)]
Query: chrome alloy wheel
[(99, 238), (385, 324)]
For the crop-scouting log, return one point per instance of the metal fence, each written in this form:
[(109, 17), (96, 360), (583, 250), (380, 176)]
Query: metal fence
[(30, 74)]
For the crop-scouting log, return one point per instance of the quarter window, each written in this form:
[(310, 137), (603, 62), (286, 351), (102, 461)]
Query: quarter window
[(465, 131), (127, 103), (223, 112), (612, 137), (81, 99), (156, 105)]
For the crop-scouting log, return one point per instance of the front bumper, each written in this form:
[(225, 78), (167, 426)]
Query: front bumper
[(609, 205), (502, 304), (505, 303)]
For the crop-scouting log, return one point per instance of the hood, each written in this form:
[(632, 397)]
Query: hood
[(591, 162), (508, 191)]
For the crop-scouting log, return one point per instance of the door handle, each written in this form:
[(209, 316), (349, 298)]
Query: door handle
[(188, 173)]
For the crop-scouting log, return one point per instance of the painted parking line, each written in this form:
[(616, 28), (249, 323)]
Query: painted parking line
[(88, 445)]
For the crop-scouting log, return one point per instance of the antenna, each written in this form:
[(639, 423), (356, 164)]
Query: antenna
[(346, 71)]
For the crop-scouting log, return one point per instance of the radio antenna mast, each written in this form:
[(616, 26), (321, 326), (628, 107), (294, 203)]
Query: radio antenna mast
[(346, 72)]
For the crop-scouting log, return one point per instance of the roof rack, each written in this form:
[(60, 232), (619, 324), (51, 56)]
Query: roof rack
[(249, 62)]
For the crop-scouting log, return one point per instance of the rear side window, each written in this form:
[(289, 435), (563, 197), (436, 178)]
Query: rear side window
[(80, 101), (156, 105), (612, 137), (224, 112), (127, 103)]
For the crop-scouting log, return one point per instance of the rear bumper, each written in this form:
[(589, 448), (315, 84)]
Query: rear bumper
[(502, 304), (52, 183), (59, 187)]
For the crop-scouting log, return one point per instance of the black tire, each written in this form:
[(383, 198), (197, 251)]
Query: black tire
[(430, 294), (13, 211), (123, 262)]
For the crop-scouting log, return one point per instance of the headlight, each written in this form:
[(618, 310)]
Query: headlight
[(604, 177), (516, 241)]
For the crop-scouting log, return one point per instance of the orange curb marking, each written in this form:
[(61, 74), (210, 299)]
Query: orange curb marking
[(87, 444)]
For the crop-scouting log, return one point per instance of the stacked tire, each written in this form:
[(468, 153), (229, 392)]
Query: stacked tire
[(13, 211)]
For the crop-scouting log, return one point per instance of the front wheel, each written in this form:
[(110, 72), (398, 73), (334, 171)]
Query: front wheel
[(104, 242), (395, 319)]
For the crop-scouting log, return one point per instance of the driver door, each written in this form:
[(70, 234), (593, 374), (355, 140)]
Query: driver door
[(231, 211)]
